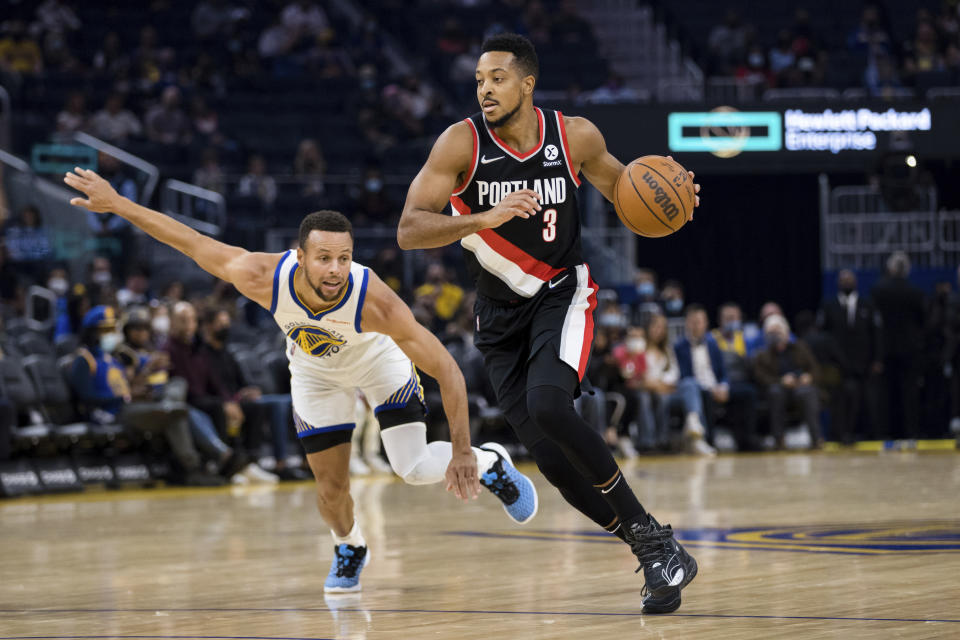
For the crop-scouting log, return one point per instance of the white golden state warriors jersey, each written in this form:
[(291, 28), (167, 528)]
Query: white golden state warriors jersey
[(328, 345)]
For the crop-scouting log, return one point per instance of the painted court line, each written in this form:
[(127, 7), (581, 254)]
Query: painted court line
[(720, 616)]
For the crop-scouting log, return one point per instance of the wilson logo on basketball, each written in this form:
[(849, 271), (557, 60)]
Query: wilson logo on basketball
[(316, 341), (662, 198)]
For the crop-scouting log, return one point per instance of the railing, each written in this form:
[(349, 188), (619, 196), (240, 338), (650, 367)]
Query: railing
[(151, 175), (202, 209), (864, 199)]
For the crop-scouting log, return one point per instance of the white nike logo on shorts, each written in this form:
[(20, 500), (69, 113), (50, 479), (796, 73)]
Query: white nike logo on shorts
[(553, 284)]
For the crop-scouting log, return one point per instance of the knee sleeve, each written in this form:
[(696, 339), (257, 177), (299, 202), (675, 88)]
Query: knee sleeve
[(411, 457)]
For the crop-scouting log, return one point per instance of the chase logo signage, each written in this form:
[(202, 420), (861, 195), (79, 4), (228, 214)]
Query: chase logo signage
[(725, 132)]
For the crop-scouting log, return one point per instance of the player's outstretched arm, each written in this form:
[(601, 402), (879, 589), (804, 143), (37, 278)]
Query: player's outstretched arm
[(423, 225), (250, 273), (384, 312), (589, 151)]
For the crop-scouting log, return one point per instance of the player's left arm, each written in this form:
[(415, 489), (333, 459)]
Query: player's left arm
[(589, 154), (384, 312)]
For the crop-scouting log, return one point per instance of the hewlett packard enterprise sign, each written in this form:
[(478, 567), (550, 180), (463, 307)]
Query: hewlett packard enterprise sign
[(726, 132)]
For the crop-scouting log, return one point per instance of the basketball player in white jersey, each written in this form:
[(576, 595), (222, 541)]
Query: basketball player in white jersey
[(346, 330)]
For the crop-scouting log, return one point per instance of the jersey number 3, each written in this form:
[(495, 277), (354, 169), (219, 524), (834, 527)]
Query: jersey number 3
[(549, 225)]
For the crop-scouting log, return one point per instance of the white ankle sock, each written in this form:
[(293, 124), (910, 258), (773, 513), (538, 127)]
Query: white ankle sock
[(354, 538)]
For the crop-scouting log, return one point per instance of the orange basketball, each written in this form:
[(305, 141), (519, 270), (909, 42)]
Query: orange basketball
[(654, 196)]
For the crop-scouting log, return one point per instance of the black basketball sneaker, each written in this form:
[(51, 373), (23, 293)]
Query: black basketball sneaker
[(667, 567)]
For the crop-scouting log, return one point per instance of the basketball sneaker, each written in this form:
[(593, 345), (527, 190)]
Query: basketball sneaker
[(667, 567), (348, 562), (515, 490)]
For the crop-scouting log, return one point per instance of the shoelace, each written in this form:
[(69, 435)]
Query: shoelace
[(348, 560), (500, 484), (648, 544)]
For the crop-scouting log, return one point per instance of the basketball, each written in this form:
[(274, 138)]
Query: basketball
[(654, 196)]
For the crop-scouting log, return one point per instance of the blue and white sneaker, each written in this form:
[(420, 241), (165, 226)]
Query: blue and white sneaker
[(348, 562), (515, 490)]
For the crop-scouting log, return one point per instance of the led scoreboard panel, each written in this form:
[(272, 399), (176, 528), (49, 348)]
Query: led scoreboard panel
[(802, 136)]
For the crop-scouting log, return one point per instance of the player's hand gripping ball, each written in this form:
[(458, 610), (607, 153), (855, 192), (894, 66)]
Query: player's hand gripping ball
[(654, 196)]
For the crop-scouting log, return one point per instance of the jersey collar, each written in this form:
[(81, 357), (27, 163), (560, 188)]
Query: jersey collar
[(316, 316), (516, 155)]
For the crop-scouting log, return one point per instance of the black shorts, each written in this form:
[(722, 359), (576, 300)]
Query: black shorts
[(543, 340)]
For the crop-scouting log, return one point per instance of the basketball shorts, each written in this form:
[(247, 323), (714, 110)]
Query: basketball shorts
[(324, 410), (543, 340)]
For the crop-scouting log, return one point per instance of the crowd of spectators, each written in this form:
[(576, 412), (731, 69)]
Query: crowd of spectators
[(869, 55)]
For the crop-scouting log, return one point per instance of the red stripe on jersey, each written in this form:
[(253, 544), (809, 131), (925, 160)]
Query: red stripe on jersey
[(473, 164), (588, 328), (537, 147), (566, 148), (506, 249)]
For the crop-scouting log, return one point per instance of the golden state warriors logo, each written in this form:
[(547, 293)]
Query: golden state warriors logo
[(316, 341)]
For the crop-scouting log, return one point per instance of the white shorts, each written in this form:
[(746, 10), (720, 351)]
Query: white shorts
[(323, 406)]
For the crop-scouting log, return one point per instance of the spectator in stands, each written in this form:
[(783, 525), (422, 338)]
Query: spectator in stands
[(646, 303), (19, 53), (570, 30), (743, 393), (670, 392), (57, 54), (148, 372), (73, 116), (727, 43), (209, 175), (166, 122), (206, 390), (159, 323), (304, 18), (881, 76), (110, 60), (57, 17), (671, 297), (857, 330), (440, 293), (613, 91), (787, 372), (173, 293), (310, 169), (102, 387), (700, 359), (371, 204), (114, 123), (753, 68), (870, 37), (830, 359), (632, 366), (136, 289), (410, 102), (604, 375), (28, 244), (275, 41), (782, 56), (258, 408), (536, 23), (206, 123), (213, 18), (257, 184), (901, 308), (611, 315)]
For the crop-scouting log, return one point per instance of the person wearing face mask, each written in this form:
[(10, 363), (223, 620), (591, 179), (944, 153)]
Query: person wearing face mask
[(631, 361), (645, 305), (857, 329), (743, 393), (103, 389), (58, 282), (672, 299), (787, 371)]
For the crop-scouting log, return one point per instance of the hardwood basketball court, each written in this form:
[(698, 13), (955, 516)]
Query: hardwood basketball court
[(821, 545)]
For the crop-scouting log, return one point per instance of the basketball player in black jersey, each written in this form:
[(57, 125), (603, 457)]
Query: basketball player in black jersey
[(510, 174)]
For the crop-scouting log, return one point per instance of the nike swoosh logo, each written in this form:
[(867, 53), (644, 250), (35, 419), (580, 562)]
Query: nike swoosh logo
[(486, 160), (552, 285)]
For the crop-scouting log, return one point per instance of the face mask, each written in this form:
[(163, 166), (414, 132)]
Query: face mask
[(221, 335), (732, 327), (674, 305), (102, 277), (636, 345), (161, 324), (646, 289), (847, 290), (610, 320), (58, 285), (755, 60), (373, 184), (110, 341)]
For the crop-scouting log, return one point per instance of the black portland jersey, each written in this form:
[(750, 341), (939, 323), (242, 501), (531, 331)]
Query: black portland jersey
[(516, 258)]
